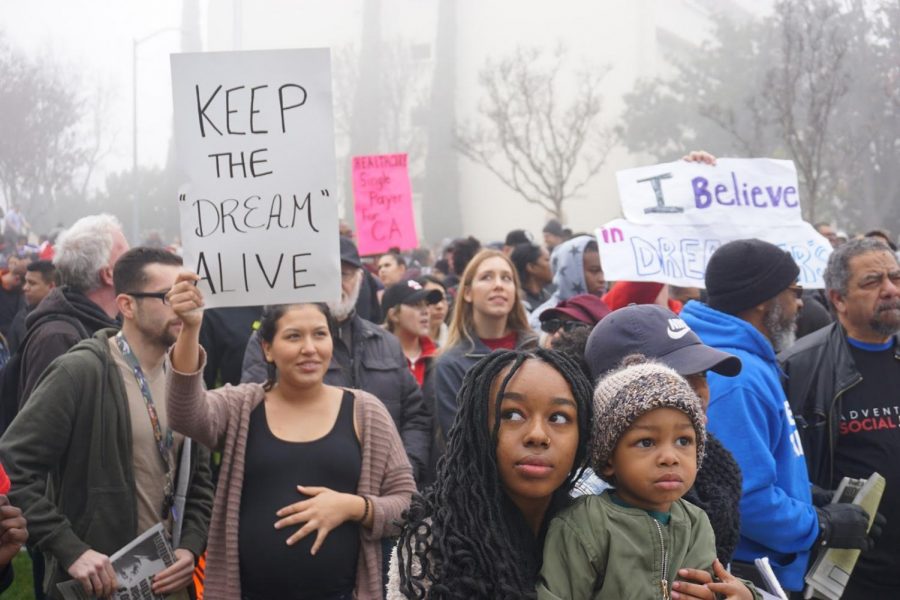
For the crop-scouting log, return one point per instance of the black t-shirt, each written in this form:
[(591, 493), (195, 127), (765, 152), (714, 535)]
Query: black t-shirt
[(868, 441), (272, 471)]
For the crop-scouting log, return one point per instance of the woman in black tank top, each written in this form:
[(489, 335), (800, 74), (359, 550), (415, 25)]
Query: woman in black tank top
[(302, 433), (272, 468), (309, 491)]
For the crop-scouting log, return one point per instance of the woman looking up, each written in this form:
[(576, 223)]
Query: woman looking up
[(487, 315), (314, 474)]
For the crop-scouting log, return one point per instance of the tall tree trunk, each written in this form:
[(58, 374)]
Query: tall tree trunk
[(366, 117), (441, 204)]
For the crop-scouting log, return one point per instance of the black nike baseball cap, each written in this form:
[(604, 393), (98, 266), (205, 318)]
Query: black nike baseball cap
[(657, 333)]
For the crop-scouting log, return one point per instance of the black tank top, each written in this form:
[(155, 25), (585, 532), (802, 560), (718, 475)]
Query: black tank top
[(273, 468)]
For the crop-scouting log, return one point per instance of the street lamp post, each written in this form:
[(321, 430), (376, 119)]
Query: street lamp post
[(135, 204)]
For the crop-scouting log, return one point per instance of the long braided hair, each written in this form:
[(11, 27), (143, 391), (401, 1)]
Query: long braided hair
[(461, 539)]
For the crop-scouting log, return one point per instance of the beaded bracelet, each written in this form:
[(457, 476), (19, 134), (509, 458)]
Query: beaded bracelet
[(366, 511)]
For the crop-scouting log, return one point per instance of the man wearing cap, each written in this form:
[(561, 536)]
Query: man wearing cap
[(555, 234), (368, 358), (405, 306), (751, 312), (581, 311), (659, 334), (842, 381)]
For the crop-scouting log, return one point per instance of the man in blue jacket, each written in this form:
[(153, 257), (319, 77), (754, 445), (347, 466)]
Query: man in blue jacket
[(751, 312)]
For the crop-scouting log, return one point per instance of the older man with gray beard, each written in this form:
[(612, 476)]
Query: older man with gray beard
[(842, 382), (368, 358), (752, 307)]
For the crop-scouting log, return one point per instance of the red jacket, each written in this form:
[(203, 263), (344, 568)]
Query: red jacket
[(418, 368)]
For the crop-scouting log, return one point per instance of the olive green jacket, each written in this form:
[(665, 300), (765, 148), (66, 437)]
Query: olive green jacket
[(69, 458), (598, 549)]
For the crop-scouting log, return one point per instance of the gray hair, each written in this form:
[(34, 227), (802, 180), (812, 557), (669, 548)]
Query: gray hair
[(84, 249), (837, 273)]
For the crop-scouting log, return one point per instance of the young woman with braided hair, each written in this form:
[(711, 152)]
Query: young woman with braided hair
[(516, 448), (478, 532)]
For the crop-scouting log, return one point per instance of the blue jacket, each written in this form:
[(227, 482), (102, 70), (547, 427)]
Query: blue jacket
[(750, 415)]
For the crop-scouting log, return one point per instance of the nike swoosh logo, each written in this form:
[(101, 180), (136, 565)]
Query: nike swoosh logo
[(677, 335)]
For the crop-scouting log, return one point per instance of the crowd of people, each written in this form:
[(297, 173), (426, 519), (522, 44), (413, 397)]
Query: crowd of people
[(498, 422)]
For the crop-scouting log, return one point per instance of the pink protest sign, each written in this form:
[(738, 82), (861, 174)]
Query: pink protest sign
[(382, 203)]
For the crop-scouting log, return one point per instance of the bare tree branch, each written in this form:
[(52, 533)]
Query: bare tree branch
[(533, 141)]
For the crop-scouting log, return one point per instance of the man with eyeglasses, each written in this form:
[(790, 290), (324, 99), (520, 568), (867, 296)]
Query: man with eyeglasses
[(842, 382), (751, 312), (581, 311), (91, 458)]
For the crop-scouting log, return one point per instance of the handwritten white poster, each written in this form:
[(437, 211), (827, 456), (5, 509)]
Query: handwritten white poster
[(677, 214), (254, 136)]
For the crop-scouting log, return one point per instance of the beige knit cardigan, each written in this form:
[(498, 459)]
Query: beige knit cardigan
[(220, 419)]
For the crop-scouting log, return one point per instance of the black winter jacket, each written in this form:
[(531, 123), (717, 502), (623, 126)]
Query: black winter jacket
[(818, 370), (55, 337)]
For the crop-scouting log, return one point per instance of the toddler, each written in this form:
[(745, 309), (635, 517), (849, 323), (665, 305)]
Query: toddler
[(648, 441)]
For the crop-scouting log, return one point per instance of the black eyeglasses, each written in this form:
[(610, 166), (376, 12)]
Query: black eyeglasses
[(158, 295), (797, 289), (553, 325)]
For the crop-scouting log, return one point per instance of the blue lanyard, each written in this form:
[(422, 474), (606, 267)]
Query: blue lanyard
[(164, 440)]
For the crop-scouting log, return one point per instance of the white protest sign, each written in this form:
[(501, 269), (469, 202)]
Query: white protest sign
[(746, 191), (677, 254), (677, 214), (254, 135)]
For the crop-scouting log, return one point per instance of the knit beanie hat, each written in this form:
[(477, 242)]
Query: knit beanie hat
[(744, 273), (640, 386), (554, 227)]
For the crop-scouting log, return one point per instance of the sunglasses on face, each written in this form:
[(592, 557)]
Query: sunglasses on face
[(553, 325), (797, 289)]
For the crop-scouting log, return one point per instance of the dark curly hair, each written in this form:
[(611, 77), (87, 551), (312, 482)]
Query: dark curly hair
[(463, 537)]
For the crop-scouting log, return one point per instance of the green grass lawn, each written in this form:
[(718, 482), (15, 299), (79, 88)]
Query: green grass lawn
[(22, 588)]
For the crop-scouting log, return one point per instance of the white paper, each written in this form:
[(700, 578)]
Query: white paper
[(255, 138), (678, 254), (744, 191), (677, 214)]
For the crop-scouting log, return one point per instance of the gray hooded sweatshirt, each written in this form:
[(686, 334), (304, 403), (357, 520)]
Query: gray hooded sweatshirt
[(567, 262)]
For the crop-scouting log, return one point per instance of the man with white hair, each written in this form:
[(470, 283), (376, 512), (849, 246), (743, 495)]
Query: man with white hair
[(83, 303)]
